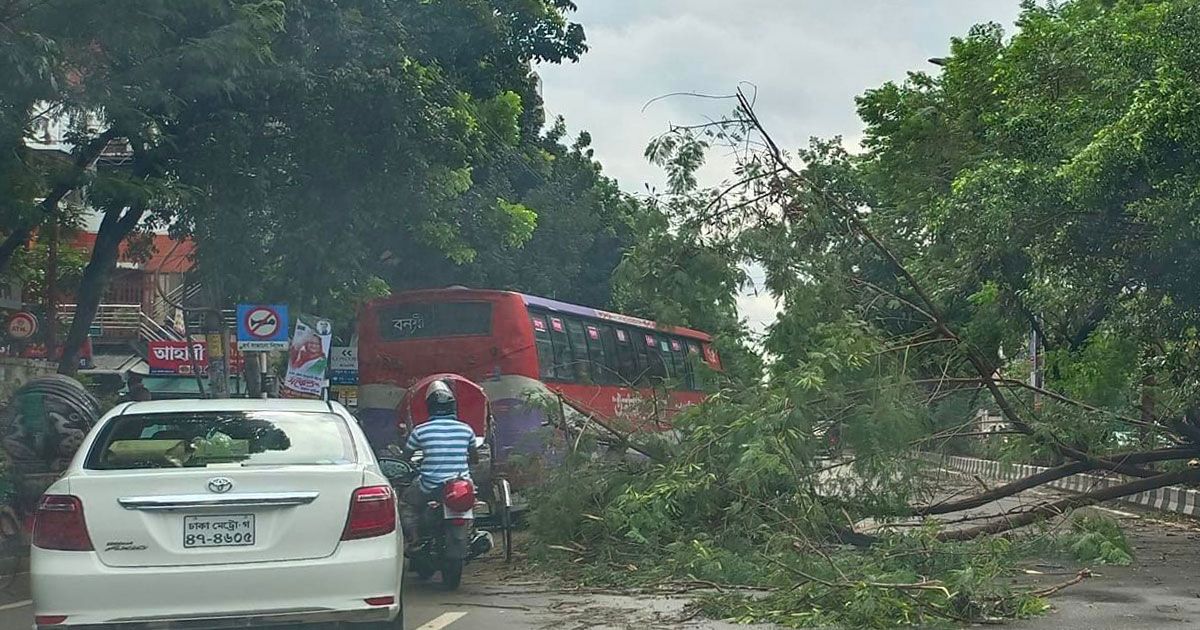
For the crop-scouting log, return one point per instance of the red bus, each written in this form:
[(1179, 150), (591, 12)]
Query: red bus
[(528, 353)]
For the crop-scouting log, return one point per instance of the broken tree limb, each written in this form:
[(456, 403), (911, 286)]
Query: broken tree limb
[(929, 307), (1061, 506), (1047, 476), (1050, 590)]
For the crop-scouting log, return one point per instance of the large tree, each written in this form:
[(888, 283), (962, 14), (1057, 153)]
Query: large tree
[(317, 151), (1043, 184)]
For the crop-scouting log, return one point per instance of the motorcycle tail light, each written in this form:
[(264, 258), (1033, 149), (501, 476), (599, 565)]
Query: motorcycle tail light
[(459, 495)]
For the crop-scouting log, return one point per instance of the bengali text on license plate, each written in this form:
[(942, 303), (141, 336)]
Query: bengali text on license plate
[(229, 530)]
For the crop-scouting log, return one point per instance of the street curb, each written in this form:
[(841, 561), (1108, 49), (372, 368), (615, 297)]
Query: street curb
[(1168, 499)]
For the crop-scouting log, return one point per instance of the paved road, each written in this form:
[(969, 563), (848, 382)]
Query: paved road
[(1160, 592), (492, 597)]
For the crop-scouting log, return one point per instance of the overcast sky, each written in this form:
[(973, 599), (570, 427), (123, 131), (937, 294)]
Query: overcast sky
[(807, 58)]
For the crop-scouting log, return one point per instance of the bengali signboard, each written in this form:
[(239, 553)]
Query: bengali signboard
[(174, 358), (169, 358)]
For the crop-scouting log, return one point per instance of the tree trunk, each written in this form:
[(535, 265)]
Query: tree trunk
[(83, 159), (14, 241), (113, 229), (1147, 410)]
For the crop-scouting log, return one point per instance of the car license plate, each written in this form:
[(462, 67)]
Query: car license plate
[(227, 530)]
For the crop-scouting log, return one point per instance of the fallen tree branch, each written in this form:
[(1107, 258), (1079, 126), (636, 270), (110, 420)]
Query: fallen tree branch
[(928, 307), (1050, 590), (1047, 476), (1061, 506)]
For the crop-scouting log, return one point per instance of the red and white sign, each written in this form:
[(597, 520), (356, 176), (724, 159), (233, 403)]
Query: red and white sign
[(22, 326), (171, 358), (174, 357), (262, 322)]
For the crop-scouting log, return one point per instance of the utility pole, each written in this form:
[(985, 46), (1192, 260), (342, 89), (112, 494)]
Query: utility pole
[(217, 339)]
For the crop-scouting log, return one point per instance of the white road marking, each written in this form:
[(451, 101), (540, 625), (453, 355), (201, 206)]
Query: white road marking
[(16, 605), (442, 620), (1117, 512)]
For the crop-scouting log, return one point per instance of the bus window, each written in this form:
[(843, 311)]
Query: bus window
[(545, 348), (657, 368), (692, 362), (643, 344), (612, 366), (679, 364), (562, 349), (664, 350), (579, 351), (597, 355), (627, 366)]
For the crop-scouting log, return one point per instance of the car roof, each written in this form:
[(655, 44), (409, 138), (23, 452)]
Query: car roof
[(226, 404)]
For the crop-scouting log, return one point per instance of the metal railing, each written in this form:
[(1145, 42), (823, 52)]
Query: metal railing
[(183, 294), (122, 321)]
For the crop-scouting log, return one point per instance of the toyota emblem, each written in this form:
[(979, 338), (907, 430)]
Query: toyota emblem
[(220, 485)]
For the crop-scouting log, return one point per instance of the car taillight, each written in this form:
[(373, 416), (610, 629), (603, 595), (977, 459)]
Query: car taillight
[(59, 524), (459, 495), (372, 513), (49, 620)]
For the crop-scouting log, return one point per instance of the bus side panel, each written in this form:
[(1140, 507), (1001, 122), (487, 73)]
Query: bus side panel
[(631, 409)]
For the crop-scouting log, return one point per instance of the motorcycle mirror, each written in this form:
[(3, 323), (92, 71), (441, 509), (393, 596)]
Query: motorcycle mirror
[(395, 468)]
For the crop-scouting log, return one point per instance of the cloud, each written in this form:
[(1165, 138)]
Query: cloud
[(806, 59)]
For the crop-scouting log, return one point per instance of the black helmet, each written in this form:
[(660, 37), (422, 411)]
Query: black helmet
[(439, 400)]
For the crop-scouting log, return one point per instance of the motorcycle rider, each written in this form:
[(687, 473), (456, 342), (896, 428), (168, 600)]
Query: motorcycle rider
[(448, 449)]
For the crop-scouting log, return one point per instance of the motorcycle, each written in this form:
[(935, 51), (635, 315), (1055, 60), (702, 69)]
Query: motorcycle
[(447, 538)]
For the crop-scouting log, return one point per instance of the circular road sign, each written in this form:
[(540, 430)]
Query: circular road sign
[(262, 322), (22, 326)]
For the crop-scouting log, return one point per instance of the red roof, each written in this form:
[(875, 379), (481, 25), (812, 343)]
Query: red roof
[(166, 254)]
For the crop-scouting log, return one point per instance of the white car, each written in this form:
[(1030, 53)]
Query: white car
[(219, 514)]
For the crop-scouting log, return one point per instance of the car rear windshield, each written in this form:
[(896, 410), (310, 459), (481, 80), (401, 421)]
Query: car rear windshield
[(195, 440), (430, 320)]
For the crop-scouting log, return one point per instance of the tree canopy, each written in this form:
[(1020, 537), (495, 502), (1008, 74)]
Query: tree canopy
[(318, 152)]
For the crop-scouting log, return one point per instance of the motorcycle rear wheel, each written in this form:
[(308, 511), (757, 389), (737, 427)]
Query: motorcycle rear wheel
[(452, 572), (423, 568)]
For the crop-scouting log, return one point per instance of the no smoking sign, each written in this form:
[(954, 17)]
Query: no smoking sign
[(262, 327)]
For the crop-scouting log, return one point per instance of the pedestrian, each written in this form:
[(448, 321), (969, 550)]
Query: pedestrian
[(137, 388)]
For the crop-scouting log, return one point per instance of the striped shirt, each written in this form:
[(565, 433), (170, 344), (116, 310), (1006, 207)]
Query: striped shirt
[(444, 443)]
